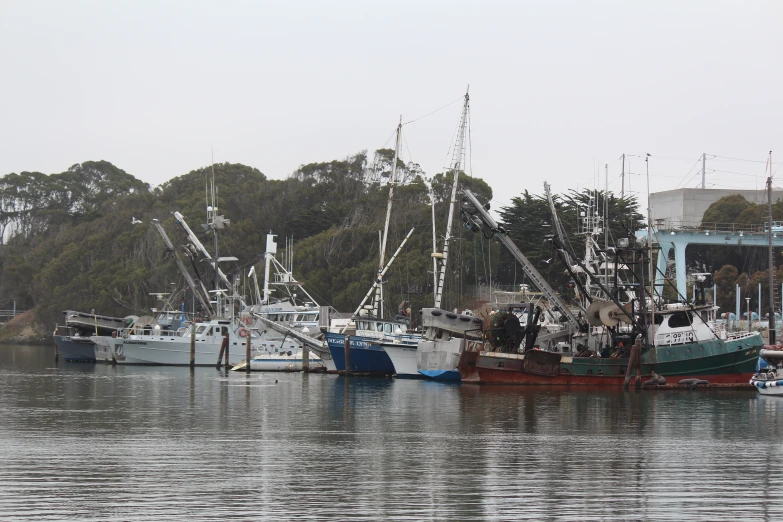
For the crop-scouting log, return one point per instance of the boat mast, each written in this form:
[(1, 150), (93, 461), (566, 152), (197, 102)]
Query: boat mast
[(457, 165), (435, 254), (271, 250), (379, 291), (771, 257), (649, 245)]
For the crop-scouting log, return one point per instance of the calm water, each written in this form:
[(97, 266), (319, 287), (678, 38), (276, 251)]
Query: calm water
[(98, 442)]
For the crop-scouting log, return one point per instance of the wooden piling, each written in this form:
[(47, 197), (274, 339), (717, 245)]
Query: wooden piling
[(225, 341), (56, 352), (223, 348), (247, 353), (305, 358), (347, 353), (193, 344), (634, 363)]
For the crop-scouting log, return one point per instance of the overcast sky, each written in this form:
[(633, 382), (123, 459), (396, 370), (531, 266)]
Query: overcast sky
[(558, 88)]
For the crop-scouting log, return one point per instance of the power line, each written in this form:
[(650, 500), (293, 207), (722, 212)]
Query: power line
[(766, 162)]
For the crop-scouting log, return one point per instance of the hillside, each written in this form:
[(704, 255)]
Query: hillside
[(73, 240)]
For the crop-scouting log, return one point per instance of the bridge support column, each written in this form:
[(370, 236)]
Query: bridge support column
[(679, 263), (663, 257)]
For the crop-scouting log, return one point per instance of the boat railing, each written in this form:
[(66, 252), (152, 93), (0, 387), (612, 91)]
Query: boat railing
[(709, 226), (66, 331), (733, 336), (151, 332)]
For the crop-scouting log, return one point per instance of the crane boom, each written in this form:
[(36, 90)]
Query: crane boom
[(482, 218), (181, 265)]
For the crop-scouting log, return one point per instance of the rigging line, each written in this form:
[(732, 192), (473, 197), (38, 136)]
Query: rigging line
[(470, 148), (732, 172), (733, 186), (451, 143), (436, 110), (766, 162)]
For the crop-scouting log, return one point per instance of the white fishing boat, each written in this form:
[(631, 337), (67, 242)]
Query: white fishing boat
[(147, 343), (281, 321), (445, 337), (437, 353)]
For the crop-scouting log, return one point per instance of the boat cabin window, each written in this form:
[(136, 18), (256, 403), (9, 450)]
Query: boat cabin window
[(680, 320), (658, 319), (200, 329), (387, 328), (272, 317), (379, 327)]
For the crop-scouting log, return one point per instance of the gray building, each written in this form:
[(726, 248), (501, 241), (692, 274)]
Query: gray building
[(686, 206)]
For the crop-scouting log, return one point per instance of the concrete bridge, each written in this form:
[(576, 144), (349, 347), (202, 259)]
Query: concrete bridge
[(677, 236)]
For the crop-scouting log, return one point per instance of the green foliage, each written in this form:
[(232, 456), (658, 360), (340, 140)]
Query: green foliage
[(70, 243), (736, 210), (529, 223)]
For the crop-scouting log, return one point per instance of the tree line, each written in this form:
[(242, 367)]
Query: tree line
[(73, 240)]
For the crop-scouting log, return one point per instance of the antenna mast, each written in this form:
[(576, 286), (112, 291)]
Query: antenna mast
[(457, 165), (771, 258), (392, 181)]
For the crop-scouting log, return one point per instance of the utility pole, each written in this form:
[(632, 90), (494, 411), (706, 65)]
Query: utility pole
[(771, 258), (622, 176), (703, 168), (606, 212), (649, 250)]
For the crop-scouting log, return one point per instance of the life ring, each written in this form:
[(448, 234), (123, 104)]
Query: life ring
[(243, 332), (246, 320)]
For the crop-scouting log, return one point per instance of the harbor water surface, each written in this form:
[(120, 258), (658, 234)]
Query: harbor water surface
[(97, 442)]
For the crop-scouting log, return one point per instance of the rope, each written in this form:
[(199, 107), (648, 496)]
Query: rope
[(436, 110)]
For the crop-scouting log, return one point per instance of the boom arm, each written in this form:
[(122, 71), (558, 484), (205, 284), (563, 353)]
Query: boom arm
[(193, 239), (482, 218), (181, 265)]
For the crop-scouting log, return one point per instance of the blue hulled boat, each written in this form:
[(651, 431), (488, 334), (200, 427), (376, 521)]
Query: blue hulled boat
[(366, 353)]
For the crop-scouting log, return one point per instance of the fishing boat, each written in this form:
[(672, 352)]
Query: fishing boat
[(73, 338), (146, 343), (367, 344), (446, 335), (280, 322), (678, 341), (366, 352), (437, 353), (688, 344)]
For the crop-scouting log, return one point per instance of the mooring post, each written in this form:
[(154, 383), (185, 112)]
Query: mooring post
[(347, 353), (247, 353), (193, 344), (225, 341), (223, 347), (305, 358), (56, 352), (633, 363)]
